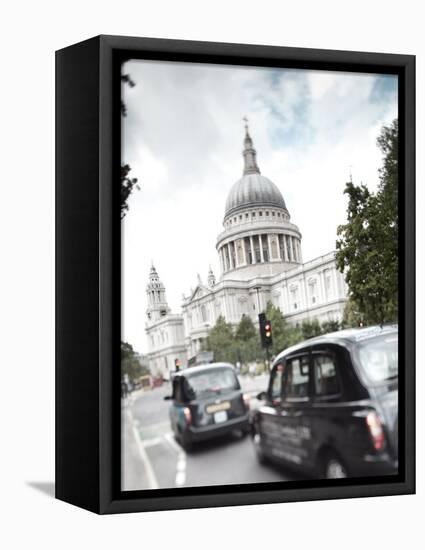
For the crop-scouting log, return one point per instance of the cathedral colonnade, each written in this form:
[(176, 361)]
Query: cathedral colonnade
[(259, 247)]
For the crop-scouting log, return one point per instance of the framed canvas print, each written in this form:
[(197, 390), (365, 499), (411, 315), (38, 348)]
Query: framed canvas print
[(235, 274)]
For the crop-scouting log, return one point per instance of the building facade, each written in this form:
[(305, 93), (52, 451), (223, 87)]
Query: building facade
[(260, 255), (165, 331)]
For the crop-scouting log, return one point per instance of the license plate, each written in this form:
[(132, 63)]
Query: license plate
[(216, 407), (220, 416)]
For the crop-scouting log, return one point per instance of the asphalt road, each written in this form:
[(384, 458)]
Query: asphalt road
[(153, 459)]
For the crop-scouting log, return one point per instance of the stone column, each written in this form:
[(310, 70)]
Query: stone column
[(230, 256), (299, 251), (254, 261), (322, 286), (294, 248), (285, 249), (269, 243), (244, 251), (220, 257)]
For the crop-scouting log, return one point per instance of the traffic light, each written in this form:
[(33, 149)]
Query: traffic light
[(268, 333), (265, 330), (177, 364)]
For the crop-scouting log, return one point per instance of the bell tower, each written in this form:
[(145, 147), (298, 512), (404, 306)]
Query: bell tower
[(157, 301)]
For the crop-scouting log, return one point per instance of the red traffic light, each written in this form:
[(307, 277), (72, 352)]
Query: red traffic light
[(268, 329)]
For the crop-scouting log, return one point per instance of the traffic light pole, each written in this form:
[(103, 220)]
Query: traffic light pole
[(267, 359)]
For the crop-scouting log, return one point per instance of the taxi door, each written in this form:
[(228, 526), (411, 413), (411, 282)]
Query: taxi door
[(268, 425), (295, 418)]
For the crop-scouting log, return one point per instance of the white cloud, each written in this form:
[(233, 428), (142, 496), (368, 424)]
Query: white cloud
[(183, 139)]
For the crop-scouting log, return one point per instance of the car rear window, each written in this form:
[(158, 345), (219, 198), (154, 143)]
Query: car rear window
[(211, 381), (379, 358)]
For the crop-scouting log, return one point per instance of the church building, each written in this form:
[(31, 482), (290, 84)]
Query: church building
[(260, 255)]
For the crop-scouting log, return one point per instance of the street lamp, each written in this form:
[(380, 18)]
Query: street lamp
[(258, 288)]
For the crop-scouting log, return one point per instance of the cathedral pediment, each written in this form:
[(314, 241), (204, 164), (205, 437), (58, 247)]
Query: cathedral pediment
[(199, 292)]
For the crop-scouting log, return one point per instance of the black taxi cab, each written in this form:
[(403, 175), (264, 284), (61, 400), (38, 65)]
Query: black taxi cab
[(331, 407), (207, 401)]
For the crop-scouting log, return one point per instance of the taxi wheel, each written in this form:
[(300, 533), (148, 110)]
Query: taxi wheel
[(185, 442), (259, 448), (244, 431), (333, 467)]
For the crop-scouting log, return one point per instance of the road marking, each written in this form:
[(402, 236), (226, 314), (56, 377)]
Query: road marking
[(150, 474), (151, 442), (181, 460), (170, 439)]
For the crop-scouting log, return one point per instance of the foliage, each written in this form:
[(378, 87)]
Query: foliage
[(367, 246), (220, 340), (131, 363), (247, 341), (352, 316), (242, 342), (127, 184), (283, 334), (125, 78), (310, 329)]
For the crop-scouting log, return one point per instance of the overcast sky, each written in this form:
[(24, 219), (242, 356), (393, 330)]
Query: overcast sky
[(183, 138)]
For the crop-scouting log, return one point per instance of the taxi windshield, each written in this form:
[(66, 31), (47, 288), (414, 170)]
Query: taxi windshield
[(379, 358), (211, 381)]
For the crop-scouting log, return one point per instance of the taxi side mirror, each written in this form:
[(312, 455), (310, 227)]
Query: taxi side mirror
[(262, 396)]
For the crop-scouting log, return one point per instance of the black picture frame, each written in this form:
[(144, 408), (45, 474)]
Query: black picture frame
[(88, 273)]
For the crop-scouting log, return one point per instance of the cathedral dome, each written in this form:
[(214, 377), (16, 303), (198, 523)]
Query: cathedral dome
[(253, 190)]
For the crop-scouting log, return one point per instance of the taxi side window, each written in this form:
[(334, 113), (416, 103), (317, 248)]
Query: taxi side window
[(297, 378), (276, 382), (325, 375)]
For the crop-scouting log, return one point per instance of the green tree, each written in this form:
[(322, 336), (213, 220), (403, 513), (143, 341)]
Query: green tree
[(131, 363), (221, 341), (310, 329), (367, 244), (247, 341), (351, 316), (127, 184), (284, 335), (330, 326)]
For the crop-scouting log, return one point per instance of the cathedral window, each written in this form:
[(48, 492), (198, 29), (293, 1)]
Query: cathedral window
[(204, 314), (294, 297), (267, 213), (257, 252), (253, 214), (312, 285), (327, 283), (273, 213), (247, 215), (260, 213)]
